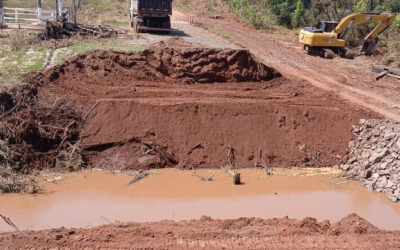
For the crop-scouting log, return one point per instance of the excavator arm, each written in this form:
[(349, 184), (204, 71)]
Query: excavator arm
[(385, 19), (369, 45)]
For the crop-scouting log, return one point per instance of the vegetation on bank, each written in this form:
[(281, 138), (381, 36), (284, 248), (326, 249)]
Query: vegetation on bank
[(20, 52), (110, 12), (293, 14)]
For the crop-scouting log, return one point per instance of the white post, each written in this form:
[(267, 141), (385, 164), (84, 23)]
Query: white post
[(59, 5), (2, 20), (132, 10), (40, 20)]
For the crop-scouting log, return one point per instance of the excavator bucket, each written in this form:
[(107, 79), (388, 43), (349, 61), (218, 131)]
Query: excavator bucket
[(369, 48)]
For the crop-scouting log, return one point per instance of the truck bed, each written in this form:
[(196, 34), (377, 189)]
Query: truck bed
[(152, 6)]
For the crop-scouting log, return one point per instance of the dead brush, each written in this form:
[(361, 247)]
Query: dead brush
[(261, 163), (71, 158), (311, 157), (202, 178), (229, 168), (41, 134), (15, 182), (166, 158)]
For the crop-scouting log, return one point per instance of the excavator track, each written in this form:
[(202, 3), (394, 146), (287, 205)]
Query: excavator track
[(347, 53), (322, 52)]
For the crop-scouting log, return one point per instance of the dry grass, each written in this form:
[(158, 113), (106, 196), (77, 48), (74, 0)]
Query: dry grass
[(14, 182), (18, 40)]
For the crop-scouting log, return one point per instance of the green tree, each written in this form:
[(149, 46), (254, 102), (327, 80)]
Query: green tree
[(298, 15)]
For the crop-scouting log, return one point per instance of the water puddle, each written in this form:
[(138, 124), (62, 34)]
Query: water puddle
[(94, 198)]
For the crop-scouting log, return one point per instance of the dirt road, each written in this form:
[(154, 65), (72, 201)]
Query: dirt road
[(350, 79), (190, 33)]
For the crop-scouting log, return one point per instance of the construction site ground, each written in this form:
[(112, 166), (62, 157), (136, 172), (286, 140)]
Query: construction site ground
[(195, 101)]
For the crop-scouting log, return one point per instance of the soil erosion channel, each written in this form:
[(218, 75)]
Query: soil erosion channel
[(198, 108), (93, 198)]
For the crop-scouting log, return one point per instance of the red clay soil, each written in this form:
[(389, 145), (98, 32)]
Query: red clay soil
[(169, 65), (352, 232), (139, 112)]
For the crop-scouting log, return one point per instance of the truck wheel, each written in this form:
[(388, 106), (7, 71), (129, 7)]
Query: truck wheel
[(166, 24)]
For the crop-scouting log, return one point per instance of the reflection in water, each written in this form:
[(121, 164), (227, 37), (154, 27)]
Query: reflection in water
[(94, 198)]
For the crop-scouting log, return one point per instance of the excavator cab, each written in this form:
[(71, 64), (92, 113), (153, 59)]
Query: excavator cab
[(323, 26), (327, 26)]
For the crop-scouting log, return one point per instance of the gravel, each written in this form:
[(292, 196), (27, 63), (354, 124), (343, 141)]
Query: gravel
[(374, 157)]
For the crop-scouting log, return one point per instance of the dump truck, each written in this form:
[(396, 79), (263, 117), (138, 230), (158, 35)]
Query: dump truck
[(151, 15)]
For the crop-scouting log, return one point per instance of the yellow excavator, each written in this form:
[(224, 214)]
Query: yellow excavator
[(327, 39)]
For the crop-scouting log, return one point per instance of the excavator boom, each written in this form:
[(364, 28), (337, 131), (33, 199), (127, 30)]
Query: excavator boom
[(385, 19)]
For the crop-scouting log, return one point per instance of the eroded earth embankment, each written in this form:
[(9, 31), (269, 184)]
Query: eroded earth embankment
[(179, 107), (352, 232)]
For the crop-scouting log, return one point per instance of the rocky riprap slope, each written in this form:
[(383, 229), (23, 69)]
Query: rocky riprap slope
[(374, 157)]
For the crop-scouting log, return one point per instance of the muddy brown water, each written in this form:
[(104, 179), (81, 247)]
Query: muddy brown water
[(94, 198)]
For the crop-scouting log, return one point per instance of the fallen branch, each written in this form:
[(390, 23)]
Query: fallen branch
[(383, 71), (210, 178), (138, 177), (9, 222), (91, 109)]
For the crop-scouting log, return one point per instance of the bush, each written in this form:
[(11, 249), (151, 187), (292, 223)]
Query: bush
[(255, 13)]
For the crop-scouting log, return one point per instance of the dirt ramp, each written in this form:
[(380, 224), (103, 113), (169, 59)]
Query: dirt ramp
[(138, 113), (170, 65), (216, 134)]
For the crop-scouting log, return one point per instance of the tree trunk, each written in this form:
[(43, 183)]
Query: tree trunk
[(236, 179)]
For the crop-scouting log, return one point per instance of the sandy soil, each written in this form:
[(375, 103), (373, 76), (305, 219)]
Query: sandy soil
[(352, 232)]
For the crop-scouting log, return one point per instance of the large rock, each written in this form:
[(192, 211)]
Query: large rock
[(374, 157), (378, 156)]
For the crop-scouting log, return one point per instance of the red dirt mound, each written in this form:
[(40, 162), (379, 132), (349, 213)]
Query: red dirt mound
[(208, 233), (137, 114), (187, 65), (352, 224)]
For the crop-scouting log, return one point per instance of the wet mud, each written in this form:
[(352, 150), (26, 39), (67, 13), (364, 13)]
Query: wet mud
[(95, 198)]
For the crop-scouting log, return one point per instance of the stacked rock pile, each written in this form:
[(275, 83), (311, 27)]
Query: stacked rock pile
[(374, 157)]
